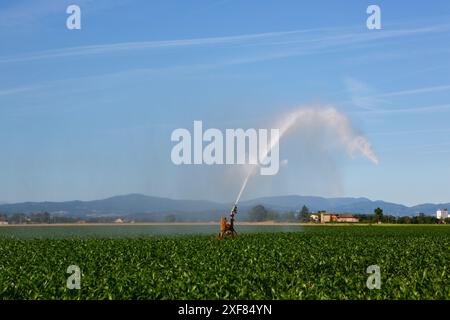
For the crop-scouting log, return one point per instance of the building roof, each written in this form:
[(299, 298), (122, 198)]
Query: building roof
[(346, 215)]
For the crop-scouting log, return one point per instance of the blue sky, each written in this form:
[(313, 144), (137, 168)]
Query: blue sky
[(87, 114)]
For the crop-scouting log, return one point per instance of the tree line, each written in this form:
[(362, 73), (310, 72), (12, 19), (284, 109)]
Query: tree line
[(260, 213), (47, 218)]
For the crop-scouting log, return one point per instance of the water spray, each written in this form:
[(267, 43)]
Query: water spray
[(328, 117)]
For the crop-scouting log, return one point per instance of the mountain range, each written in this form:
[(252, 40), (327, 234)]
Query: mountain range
[(156, 208)]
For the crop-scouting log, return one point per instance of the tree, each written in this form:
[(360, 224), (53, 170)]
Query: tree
[(303, 215), (421, 218), (289, 216), (273, 215), (258, 213), (378, 214), (40, 217), (406, 220), (18, 218)]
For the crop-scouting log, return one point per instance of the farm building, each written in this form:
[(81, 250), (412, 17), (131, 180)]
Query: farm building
[(332, 217), (327, 217), (347, 218)]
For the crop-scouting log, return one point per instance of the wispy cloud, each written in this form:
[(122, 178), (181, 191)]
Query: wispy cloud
[(438, 147), (416, 91), (12, 91), (423, 109), (295, 42), (25, 13), (363, 95), (141, 45), (370, 101), (409, 132), (21, 12)]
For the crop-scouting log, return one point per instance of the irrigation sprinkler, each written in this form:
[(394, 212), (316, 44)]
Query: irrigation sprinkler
[(227, 228)]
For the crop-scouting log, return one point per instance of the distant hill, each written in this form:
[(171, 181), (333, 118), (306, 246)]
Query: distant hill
[(138, 205), (118, 205), (338, 205)]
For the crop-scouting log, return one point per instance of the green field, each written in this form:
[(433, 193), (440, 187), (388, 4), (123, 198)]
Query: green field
[(317, 263)]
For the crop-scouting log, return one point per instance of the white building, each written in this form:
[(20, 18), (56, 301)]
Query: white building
[(442, 214)]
